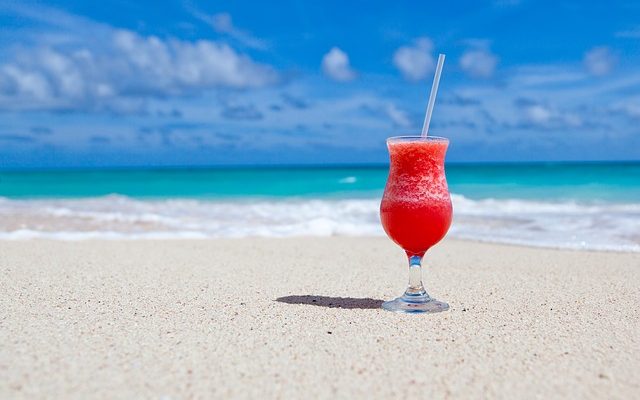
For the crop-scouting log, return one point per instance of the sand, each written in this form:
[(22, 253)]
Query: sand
[(294, 318)]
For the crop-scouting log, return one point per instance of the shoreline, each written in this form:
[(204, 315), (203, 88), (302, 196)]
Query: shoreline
[(239, 318), (602, 227), (309, 237)]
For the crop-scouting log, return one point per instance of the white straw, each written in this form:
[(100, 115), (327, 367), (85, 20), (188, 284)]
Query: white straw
[(432, 97)]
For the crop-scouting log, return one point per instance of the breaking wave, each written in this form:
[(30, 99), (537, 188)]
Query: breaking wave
[(601, 226)]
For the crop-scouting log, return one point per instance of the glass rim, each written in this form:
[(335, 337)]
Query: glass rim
[(416, 138)]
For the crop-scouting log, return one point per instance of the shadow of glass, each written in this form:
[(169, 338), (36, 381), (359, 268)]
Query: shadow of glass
[(332, 302)]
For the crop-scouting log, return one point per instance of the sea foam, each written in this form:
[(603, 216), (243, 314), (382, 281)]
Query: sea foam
[(602, 226)]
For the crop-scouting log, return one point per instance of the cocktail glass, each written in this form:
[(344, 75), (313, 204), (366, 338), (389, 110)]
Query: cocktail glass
[(416, 211)]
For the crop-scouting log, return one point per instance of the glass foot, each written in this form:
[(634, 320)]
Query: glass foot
[(415, 304)]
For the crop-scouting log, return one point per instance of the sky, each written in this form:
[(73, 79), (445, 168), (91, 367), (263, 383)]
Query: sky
[(120, 83)]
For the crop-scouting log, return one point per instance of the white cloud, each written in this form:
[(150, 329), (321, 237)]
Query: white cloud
[(181, 65), (538, 114), (223, 23), (629, 106), (398, 116), (546, 116), (336, 65), (479, 61), (126, 69), (555, 102), (415, 61), (545, 75), (599, 61), (33, 84), (629, 34)]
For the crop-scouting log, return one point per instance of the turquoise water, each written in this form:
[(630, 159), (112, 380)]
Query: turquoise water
[(616, 182), (580, 206)]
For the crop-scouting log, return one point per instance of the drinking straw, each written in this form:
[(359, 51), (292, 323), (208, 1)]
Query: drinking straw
[(432, 97)]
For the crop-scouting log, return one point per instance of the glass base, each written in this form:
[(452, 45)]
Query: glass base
[(415, 303)]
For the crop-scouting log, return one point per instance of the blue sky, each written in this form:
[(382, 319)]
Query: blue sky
[(113, 83)]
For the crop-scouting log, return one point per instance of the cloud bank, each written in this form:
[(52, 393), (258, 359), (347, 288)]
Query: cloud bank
[(121, 72)]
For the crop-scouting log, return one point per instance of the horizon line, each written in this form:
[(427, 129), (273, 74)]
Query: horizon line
[(301, 166)]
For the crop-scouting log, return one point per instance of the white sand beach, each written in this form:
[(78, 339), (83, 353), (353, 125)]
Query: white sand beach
[(293, 318)]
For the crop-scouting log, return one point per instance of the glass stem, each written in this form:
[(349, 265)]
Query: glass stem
[(415, 278)]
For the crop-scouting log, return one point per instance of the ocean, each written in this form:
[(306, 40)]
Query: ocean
[(566, 205)]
